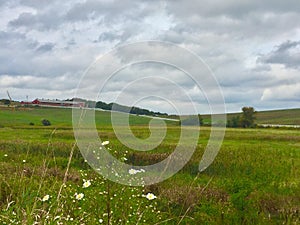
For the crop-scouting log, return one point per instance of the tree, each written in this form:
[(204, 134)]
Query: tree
[(248, 118), (234, 122), (5, 101)]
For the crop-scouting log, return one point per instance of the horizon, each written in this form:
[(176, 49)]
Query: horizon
[(227, 112)]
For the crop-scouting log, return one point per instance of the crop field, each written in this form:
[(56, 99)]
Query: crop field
[(255, 178)]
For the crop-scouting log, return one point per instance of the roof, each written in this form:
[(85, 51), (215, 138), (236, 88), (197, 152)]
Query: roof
[(57, 101)]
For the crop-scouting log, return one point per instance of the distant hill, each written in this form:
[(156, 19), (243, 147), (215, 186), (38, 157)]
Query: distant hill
[(283, 116), (128, 109), (280, 117), (119, 108)]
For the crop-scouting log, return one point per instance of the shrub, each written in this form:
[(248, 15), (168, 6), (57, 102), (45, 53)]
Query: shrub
[(46, 122)]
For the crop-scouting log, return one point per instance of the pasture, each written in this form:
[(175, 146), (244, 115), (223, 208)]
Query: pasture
[(44, 179)]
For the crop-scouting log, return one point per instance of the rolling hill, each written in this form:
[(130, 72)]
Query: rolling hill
[(282, 117)]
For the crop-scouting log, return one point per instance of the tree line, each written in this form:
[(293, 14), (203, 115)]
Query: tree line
[(127, 109), (246, 120)]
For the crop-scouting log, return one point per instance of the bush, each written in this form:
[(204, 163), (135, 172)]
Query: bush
[(31, 123), (46, 122)]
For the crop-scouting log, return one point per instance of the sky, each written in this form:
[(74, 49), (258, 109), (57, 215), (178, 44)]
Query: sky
[(251, 47)]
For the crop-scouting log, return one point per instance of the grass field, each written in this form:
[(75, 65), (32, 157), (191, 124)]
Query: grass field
[(255, 178), (284, 117)]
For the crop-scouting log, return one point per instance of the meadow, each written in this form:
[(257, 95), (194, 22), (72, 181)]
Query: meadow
[(255, 179), (283, 116)]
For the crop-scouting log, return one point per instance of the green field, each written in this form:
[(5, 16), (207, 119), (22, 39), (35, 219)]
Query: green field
[(284, 117), (255, 178)]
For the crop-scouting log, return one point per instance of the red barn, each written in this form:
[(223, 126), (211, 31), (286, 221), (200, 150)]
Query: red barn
[(57, 103)]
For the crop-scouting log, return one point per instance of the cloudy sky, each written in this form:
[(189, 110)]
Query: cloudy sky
[(251, 46)]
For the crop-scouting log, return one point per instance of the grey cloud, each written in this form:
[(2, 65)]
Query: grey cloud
[(8, 37), (2, 2), (228, 35), (232, 8), (108, 36), (45, 47), (37, 4), (63, 82), (287, 54), (24, 19), (257, 25), (40, 21), (91, 8), (20, 55), (259, 20), (287, 46)]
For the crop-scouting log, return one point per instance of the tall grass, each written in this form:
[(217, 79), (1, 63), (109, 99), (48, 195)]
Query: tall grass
[(255, 179)]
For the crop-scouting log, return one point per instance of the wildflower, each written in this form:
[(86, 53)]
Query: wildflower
[(150, 196), (79, 196), (45, 198), (100, 220), (133, 171), (5, 155), (24, 161), (86, 184), (105, 143), (57, 217)]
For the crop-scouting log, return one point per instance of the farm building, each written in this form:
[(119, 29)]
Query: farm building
[(55, 103)]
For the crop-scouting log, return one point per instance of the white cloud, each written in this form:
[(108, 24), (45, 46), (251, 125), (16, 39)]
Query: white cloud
[(283, 93)]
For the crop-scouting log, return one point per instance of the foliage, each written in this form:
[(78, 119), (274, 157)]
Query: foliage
[(248, 118), (5, 101), (46, 122), (132, 110), (234, 122)]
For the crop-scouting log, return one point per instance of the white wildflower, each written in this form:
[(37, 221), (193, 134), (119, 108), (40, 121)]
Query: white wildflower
[(86, 183), (45, 198), (56, 218), (79, 196), (133, 171), (150, 196), (105, 143)]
